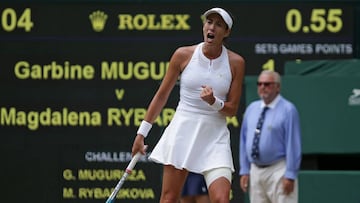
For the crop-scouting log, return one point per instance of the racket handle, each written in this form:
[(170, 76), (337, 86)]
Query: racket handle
[(134, 160)]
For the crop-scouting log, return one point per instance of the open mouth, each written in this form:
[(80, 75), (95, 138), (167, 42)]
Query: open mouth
[(210, 36)]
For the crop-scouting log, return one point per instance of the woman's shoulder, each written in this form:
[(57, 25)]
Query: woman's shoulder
[(182, 56), (235, 57), (237, 64), (186, 50)]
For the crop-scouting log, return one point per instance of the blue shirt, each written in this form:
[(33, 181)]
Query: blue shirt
[(280, 136)]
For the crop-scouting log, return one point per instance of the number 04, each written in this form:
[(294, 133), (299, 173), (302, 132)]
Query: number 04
[(10, 22)]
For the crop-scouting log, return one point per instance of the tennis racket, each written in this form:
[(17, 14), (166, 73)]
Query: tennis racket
[(128, 170)]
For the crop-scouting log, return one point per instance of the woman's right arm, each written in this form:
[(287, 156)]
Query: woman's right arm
[(177, 63)]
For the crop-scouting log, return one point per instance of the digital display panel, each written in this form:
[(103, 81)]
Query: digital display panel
[(76, 79)]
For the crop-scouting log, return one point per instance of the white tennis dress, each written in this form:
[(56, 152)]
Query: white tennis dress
[(197, 138)]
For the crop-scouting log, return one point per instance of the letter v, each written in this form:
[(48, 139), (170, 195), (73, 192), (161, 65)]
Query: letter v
[(119, 93)]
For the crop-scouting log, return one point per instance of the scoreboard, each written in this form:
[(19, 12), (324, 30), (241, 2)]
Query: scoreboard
[(267, 35), (76, 79)]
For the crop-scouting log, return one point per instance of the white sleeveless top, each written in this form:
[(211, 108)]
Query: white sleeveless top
[(197, 138), (200, 71)]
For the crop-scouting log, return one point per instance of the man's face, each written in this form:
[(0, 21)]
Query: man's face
[(268, 89)]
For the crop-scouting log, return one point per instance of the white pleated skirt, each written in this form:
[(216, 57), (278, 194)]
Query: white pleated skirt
[(195, 142)]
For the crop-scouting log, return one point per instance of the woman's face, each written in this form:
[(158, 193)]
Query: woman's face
[(215, 29)]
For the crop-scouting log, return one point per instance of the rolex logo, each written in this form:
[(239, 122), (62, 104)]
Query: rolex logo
[(98, 20)]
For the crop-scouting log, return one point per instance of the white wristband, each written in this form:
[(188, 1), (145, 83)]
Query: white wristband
[(218, 104), (144, 128)]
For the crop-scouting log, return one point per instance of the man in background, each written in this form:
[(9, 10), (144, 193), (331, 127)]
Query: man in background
[(270, 145)]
